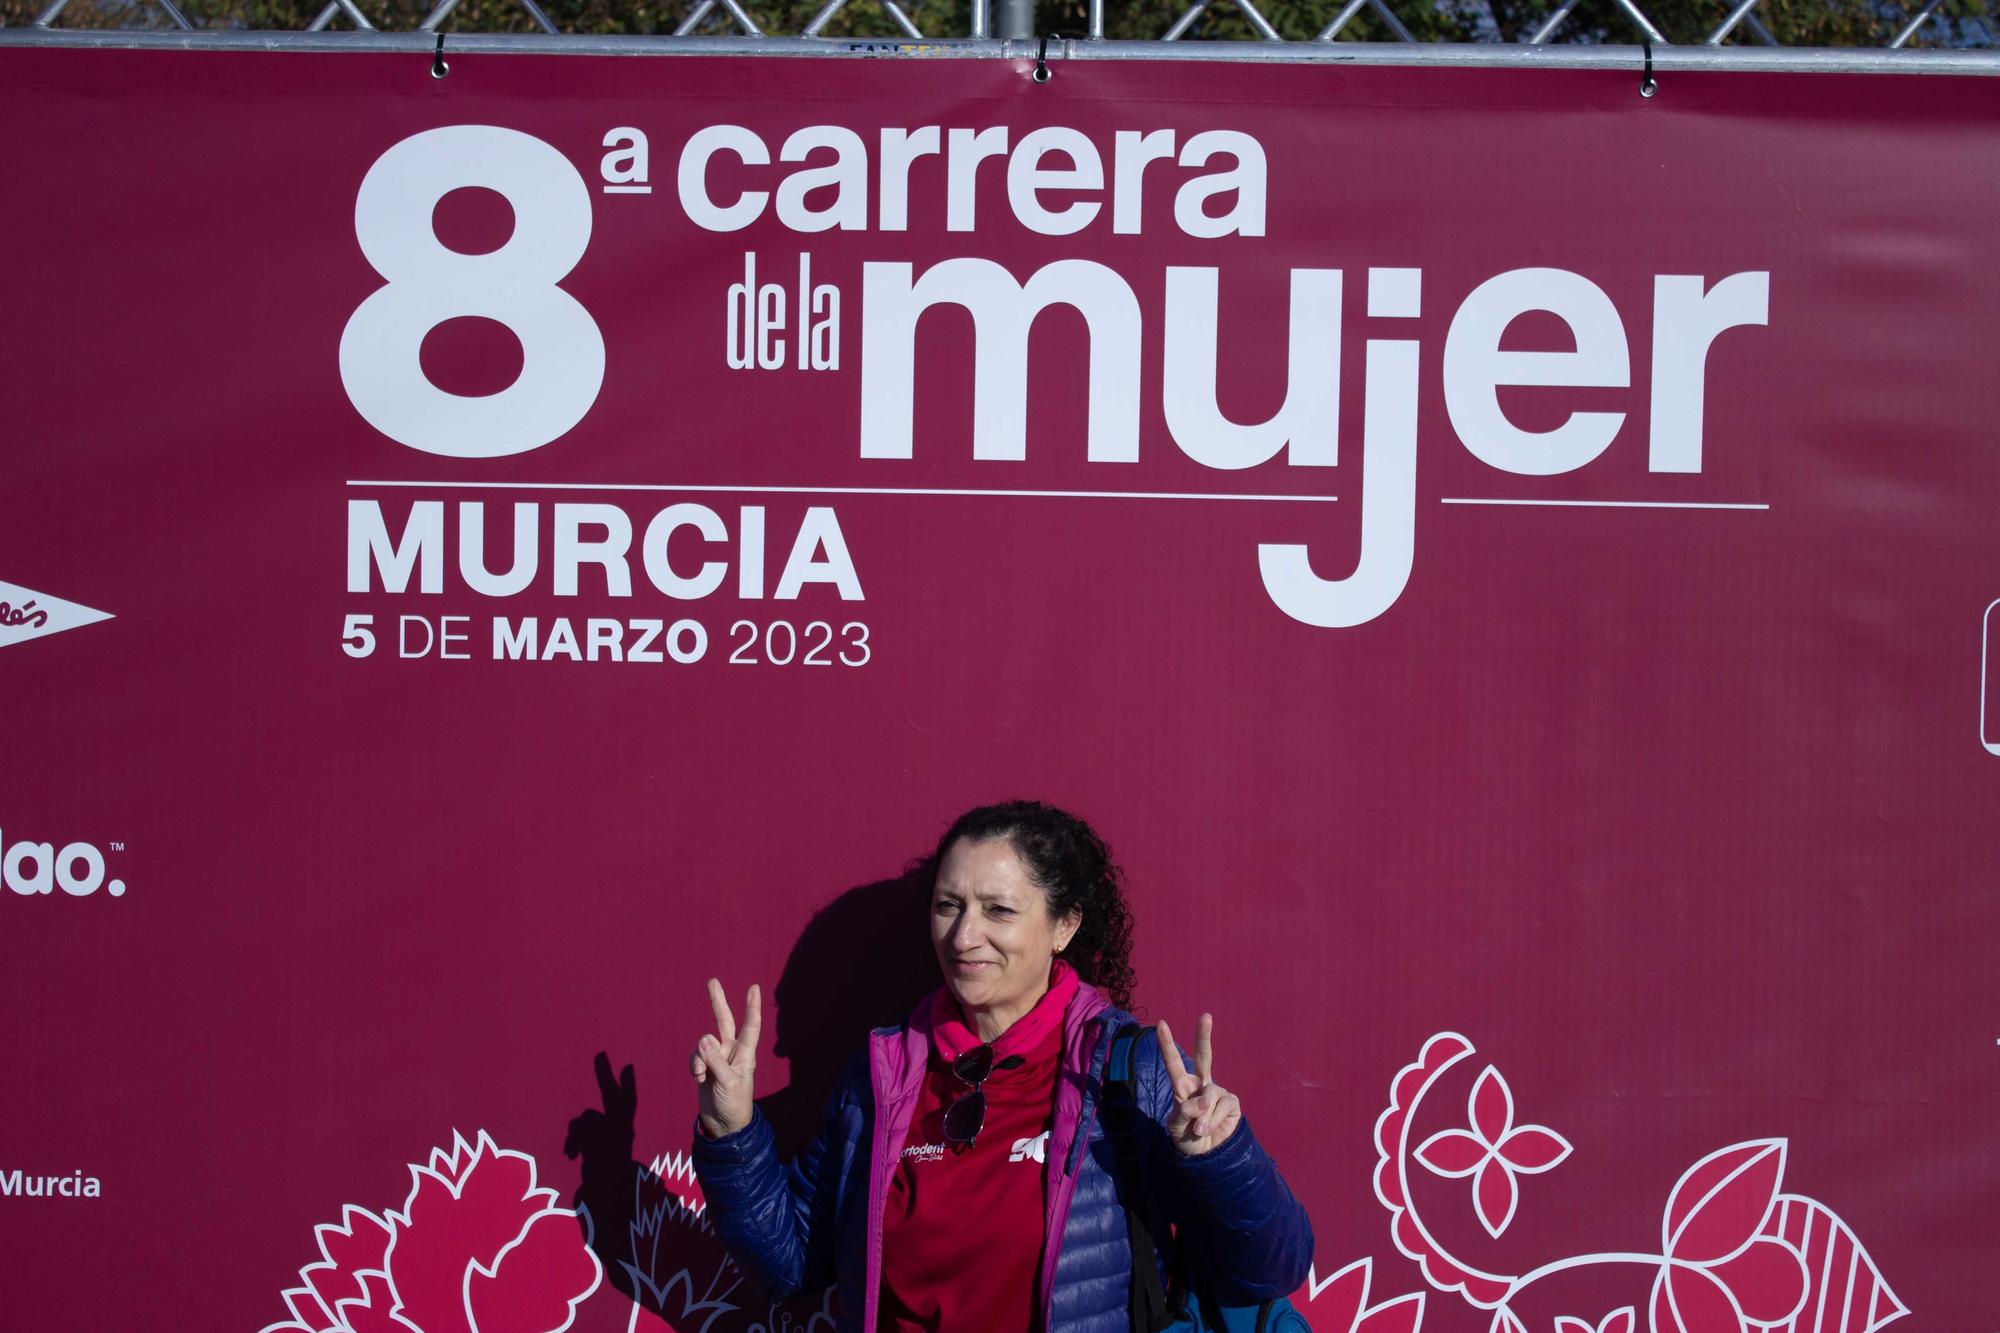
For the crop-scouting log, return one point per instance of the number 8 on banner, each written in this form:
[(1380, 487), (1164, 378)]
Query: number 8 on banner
[(562, 352)]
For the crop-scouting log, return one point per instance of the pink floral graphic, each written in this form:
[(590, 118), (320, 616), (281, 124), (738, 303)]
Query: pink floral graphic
[(683, 1279), (1735, 1254), (1492, 1151), (1339, 1304), (678, 1267), (1719, 1270), (1844, 1291), (478, 1247), (1618, 1321), (1392, 1132)]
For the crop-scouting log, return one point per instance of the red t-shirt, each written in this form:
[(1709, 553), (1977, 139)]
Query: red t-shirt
[(962, 1231)]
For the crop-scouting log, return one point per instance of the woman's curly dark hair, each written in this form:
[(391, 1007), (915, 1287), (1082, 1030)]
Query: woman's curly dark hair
[(1073, 867)]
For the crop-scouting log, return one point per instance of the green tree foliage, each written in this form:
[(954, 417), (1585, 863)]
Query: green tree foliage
[(1958, 23)]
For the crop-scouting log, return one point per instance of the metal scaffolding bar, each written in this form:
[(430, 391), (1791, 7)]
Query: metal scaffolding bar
[(1858, 60), (1918, 20)]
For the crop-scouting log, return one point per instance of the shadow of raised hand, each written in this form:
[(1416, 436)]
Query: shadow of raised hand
[(606, 1197), (645, 1222)]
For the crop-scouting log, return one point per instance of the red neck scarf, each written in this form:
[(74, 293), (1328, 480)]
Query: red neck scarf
[(952, 1036)]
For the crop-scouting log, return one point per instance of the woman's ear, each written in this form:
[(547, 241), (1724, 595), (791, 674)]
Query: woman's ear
[(1066, 929)]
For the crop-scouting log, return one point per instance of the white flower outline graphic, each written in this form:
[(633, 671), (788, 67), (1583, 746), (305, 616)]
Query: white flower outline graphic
[(1492, 1151)]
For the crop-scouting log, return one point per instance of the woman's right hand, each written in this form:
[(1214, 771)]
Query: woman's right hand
[(725, 1064)]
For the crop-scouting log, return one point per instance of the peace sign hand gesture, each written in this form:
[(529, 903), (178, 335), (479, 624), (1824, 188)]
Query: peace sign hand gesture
[(1205, 1114), (725, 1064)]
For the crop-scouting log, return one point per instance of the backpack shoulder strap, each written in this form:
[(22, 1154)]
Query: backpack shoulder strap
[(1118, 1072), (1148, 1305), (1152, 1308)]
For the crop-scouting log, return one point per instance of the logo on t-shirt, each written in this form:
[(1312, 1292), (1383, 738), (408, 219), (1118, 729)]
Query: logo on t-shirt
[(925, 1152), (1034, 1149)]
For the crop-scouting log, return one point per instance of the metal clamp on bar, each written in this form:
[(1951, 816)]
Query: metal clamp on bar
[(1647, 87), (1041, 71), (438, 68)]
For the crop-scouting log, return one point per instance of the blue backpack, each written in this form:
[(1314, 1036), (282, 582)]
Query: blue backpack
[(1186, 1306)]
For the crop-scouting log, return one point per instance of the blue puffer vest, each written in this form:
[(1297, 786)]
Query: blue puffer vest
[(818, 1221)]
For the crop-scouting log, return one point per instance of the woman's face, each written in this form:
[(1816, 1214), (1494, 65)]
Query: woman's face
[(991, 927)]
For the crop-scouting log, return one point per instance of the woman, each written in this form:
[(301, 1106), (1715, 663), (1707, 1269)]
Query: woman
[(961, 1179)]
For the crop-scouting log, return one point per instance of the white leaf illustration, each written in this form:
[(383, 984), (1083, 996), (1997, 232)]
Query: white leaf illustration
[(1845, 1292)]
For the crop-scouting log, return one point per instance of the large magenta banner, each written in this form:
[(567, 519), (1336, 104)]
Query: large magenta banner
[(1509, 564)]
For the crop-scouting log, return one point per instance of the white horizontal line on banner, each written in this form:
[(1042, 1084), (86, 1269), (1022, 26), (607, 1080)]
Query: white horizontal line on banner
[(830, 490), (1607, 504)]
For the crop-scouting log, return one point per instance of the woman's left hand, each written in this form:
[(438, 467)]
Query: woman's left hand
[(1205, 1114)]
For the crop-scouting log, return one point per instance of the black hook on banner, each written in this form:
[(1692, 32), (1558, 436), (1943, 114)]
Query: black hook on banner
[(438, 68), (1646, 85), (1041, 74)]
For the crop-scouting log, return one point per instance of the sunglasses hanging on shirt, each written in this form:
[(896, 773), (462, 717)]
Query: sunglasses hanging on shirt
[(967, 1112)]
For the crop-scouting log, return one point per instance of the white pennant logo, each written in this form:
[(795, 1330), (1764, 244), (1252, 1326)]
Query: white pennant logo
[(26, 614)]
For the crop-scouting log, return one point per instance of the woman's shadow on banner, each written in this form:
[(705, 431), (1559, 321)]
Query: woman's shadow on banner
[(862, 962)]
